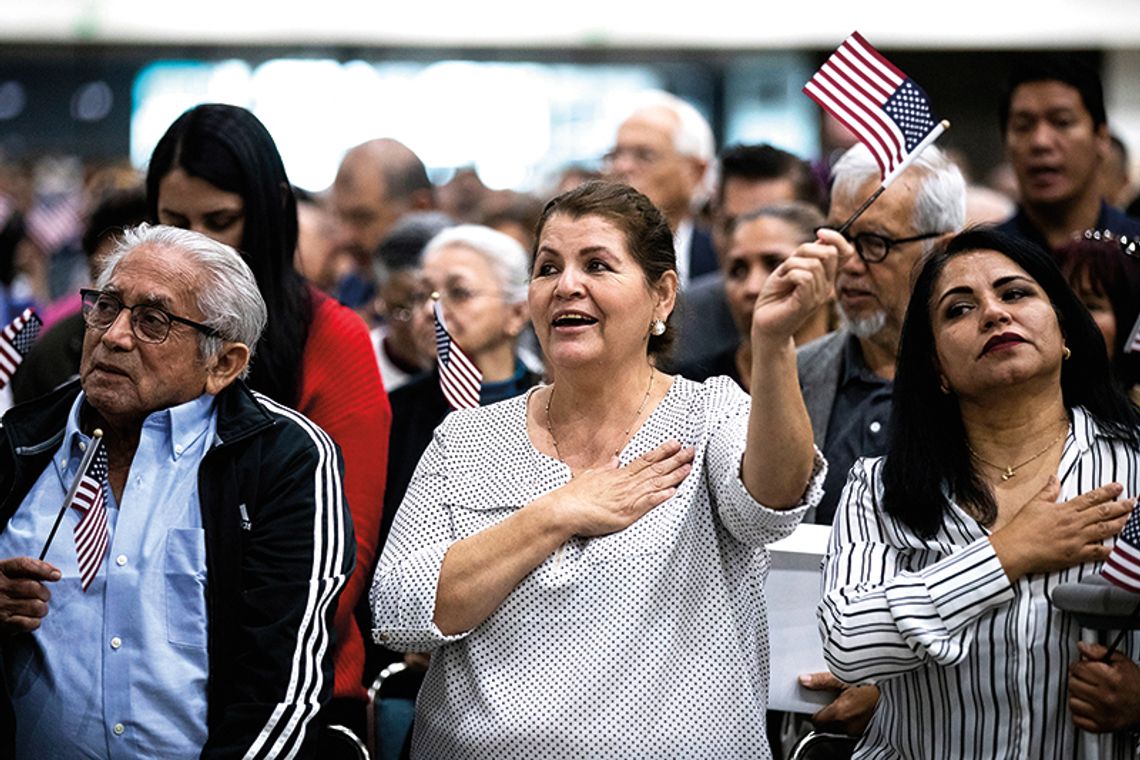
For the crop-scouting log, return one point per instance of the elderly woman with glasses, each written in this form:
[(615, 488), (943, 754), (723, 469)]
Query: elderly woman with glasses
[(479, 276)]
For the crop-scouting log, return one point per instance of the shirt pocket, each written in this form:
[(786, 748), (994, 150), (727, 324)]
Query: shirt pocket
[(184, 571)]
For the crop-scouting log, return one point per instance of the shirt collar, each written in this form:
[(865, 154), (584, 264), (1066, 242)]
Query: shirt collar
[(180, 426), (855, 369)]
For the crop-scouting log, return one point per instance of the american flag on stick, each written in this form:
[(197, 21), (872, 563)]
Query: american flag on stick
[(883, 107), (459, 378), (15, 340), (1123, 565), (87, 495)]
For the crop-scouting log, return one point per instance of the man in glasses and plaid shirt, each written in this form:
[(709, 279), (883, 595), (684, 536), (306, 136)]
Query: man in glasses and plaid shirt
[(205, 629)]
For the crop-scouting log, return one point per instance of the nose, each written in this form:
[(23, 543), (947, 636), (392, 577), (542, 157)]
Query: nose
[(1041, 135), (119, 334), (569, 283), (854, 265), (994, 313), (757, 276)]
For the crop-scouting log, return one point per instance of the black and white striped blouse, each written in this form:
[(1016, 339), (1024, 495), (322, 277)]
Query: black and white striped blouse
[(969, 665)]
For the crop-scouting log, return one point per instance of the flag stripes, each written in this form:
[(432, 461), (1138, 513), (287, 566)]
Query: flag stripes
[(873, 99), (91, 530), (1123, 564), (15, 341), (459, 378)]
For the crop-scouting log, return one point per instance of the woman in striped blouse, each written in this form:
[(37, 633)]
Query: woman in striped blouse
[(1013, 461)]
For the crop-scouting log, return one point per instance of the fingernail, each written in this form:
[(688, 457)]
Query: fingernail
[(806, 680)]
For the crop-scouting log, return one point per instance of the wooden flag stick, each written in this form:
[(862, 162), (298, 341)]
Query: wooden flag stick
[(96, 439), (934, 134)]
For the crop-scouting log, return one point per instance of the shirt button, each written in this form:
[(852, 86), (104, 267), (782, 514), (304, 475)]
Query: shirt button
[(119, 728), (876, 427), (82, 446), (116, 642), (121, 560), (178, 449)]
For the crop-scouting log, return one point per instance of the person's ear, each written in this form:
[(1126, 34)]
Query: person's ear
[(518, 315), (666, 291), (226, 366)]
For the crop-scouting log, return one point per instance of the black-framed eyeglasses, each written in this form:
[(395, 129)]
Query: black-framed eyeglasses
[(873, 248), (150, 324), (1129, 244)]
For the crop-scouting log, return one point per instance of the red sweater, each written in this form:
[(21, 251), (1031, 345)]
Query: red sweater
[(341, 391)]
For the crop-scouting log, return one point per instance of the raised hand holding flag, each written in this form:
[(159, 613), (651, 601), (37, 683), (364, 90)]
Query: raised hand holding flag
[(15, 340), (459, 378)]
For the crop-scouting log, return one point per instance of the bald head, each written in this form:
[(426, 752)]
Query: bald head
[(377, 182)]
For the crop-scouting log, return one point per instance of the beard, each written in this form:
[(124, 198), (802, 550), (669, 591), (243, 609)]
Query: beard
[(864, 327)]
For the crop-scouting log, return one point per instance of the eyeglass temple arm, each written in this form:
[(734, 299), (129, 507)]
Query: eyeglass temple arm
[(933, 135)]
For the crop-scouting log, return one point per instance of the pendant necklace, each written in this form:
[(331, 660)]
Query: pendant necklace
[(1010, 470), (625, 435)]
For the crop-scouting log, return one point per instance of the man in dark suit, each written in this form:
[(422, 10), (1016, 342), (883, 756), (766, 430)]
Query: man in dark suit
[(750, 177)]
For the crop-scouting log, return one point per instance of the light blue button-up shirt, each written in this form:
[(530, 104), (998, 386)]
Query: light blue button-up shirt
[(119, 671)]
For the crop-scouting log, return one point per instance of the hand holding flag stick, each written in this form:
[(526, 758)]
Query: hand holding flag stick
[(883, 107)]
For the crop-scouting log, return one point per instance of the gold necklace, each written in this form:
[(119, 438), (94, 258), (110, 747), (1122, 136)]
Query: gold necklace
[(625, 435), (1010, 470)]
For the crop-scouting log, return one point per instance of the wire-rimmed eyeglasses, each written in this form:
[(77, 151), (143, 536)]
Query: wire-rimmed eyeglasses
[(149, 323)]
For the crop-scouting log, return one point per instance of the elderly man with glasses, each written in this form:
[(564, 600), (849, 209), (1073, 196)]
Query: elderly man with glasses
[(184, 606), (846, 375)]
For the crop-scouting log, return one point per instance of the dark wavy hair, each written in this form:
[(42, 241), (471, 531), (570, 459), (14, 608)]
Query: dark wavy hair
[(647, 234), (1111, 274), (231, 149), (927, 450)]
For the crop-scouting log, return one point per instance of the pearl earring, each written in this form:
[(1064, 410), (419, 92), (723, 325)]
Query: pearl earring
[(657, 327)]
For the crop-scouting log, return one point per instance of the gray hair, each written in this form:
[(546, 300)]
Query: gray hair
[(939, 206), (506, 256), (694, 136), (227, 295)]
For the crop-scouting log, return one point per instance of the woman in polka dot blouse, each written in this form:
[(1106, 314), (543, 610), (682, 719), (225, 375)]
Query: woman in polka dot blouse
[(585, 562)]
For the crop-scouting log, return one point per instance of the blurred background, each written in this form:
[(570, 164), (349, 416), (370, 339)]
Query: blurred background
[(509, 93)]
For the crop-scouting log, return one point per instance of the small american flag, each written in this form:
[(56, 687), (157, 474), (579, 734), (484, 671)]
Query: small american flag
[(15, 340), (877, 102), (91, 530), (459, 378), (1123, 565)]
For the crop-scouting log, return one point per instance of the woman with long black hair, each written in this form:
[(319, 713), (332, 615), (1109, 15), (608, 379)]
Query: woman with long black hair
[(217, 171), (1013, 461)]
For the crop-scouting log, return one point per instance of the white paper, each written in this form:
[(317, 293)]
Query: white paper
[(792, 592)]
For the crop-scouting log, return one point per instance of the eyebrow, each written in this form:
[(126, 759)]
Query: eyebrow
[(967, 290), (587, 251)]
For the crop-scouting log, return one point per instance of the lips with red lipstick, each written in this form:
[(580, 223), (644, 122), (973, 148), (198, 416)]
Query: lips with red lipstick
[(1002, 342)]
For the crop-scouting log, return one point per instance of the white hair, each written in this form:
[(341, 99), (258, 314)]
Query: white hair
[(939, 205), (693, 138), (227, 295), (506, 255)]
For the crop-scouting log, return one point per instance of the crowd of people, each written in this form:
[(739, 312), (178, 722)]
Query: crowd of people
[(682, 358)]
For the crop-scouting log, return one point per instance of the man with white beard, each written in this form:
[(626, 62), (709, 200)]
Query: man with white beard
[(847, 375)]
